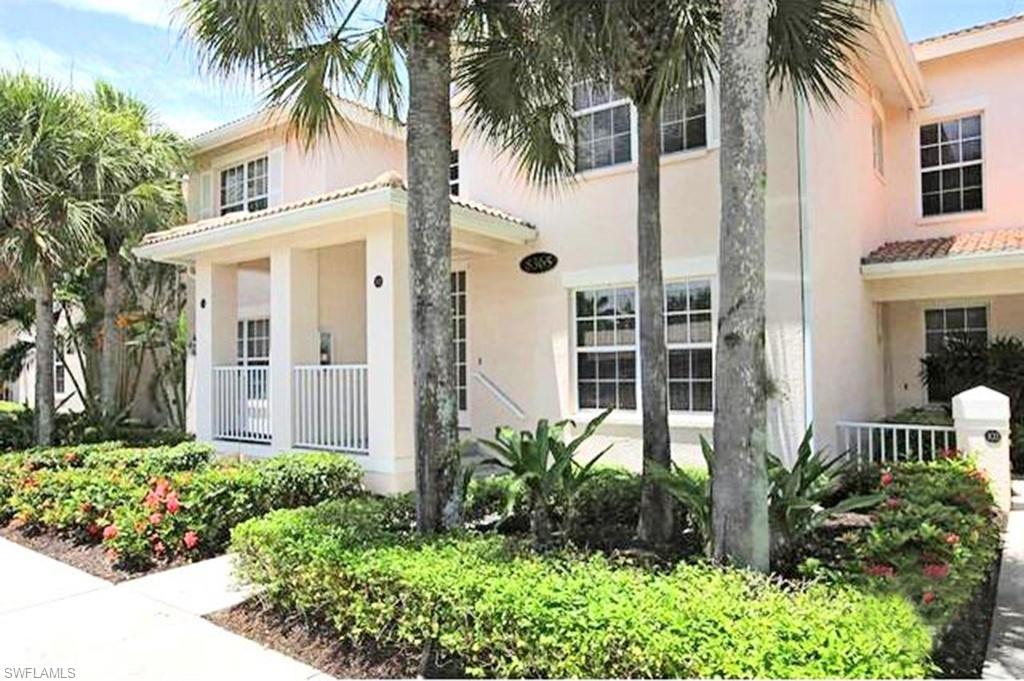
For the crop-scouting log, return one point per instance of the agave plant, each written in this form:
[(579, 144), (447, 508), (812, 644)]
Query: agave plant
[(543, 463), (797, 495)]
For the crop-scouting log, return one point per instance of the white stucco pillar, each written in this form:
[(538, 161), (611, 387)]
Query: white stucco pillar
[(981, 417), (389, 465), (216, 315), (293, 333)]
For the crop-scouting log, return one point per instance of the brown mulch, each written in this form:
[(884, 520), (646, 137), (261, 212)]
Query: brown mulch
[(86, 557), (316, 646)]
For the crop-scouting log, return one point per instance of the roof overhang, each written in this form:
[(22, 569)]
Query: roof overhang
[(900, 55), (972, 39), (466, 220), (955, 264)]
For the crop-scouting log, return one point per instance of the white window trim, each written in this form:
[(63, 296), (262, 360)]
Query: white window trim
[(246, 360), (631, 417), (711, 132), (937, 116), (878, 112), (946, 305), (244, 164), (464, 414), (455, 184)]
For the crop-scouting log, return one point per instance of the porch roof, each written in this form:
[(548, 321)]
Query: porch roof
[(388, 191), (993, 249)]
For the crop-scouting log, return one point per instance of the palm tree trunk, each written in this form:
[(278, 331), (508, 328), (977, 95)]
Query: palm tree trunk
[(655, 526), (428, 149), (44, 412), (109, 361), (740, 533)]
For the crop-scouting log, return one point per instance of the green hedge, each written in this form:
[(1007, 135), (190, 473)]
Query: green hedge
[(159, 503), (504, 612)]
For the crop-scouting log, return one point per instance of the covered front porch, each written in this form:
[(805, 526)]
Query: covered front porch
[(303, 325)]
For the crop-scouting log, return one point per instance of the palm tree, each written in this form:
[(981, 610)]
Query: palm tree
[(134, 173), (312, 50), (44, 223), (805, 44)]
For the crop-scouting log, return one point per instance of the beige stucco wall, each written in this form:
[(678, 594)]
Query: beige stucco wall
[(342, 299), (904, 340)]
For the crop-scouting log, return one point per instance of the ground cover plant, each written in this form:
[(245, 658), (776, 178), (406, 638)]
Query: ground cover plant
[(151, 505)]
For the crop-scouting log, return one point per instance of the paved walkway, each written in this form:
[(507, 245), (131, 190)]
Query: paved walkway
[(1005, 659), (53, 616)]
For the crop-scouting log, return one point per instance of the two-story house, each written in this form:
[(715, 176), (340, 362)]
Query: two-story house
[(893, 221)]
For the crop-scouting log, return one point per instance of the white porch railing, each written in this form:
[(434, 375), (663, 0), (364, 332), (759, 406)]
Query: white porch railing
[(890, 442), (331, 409), (241, 404)]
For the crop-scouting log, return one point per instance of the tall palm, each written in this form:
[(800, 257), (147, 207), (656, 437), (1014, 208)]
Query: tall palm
[(311, 50), (805, 44), (134, 174), (44, 223)]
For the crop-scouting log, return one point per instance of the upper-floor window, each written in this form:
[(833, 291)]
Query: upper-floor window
[(607, 347), (604, 125), (453, 173), (951, 177), (877, 143), (684, 120), (245, 186)]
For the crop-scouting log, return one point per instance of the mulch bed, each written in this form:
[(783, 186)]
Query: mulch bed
[(313, 645), (86, 557), (961, 648)]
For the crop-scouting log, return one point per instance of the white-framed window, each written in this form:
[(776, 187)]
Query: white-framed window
[(60, 370), (461, 365), (684, 120), (453, 173), (607, 352), (326, 348), (254, 341), (604, 125), (245, 186), (877, 141), (944, 323), (951, 166)]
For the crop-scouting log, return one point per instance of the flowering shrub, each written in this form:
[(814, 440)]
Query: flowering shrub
[(935, 537), (505, 612)]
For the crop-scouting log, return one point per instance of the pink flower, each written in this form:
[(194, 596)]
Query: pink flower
[(952, 538), (152, 500), (159, 548), (950, 453), (927, 597), (161, 488), (191, 539), (173, 505), (887, 479), (156, 518), (109, 532), (69, 457), (880, 570), (936, 570), (893, 502)]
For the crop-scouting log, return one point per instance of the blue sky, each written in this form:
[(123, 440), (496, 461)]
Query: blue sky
[(132, 44)]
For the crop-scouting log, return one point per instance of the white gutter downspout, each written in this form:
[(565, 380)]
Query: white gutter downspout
[(806, 309)]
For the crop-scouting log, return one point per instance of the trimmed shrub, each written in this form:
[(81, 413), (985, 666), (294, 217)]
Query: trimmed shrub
[(301, 478), (148, 461), (502, 611)]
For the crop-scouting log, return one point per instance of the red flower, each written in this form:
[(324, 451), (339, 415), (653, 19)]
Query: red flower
[(887, 479), (29, 483), (191, 539), (927, 597), (952, 538), (936, 570), (880, 570), (155, 518), (893, 502), (109, 532), (93, 530), (173, 506)]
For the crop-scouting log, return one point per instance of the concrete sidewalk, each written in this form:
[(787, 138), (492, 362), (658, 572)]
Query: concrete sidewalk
[(1005, 658), (53, 616)]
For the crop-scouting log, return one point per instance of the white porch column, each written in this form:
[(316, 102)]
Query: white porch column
[(293, 333), (390, 463), (981, 417), (216, 322)]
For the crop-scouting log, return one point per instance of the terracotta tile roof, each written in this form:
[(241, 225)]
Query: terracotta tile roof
[(971, 29), (976, 243), (389, 179)]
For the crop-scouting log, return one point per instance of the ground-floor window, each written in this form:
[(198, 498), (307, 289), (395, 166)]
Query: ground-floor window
[(60, 372), (607, 347), (254, 341), (945, 323), (458, 280)]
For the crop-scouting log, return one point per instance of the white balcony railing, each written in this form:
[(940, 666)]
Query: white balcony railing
[(241, 404), (331, 410), (890, 442)]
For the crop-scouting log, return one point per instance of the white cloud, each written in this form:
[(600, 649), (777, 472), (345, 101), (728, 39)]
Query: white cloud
[(148, 12), (188, 123), (34, 57)]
